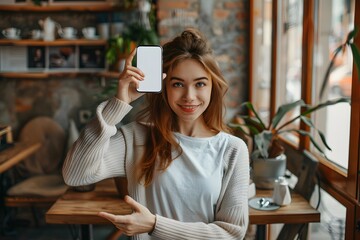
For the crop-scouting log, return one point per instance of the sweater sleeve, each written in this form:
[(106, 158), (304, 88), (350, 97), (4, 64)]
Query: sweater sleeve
[(99, 152), (232, 216)]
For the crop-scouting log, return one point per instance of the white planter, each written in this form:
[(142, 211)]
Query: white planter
[(266, 171)]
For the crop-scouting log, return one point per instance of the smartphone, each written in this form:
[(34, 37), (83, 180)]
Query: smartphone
[(149, 61)]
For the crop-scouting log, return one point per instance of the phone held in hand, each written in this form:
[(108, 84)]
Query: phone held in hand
[(149, 61)]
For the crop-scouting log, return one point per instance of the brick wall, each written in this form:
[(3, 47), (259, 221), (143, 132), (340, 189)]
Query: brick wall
[(226, 25), (224, 22)]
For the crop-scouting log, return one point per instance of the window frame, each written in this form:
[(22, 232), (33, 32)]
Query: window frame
[(344, 187)]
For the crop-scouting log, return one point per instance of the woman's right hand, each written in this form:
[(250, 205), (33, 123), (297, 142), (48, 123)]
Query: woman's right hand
[(129, 81)]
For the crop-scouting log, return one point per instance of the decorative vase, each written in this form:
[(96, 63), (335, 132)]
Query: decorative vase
[(266, 170)]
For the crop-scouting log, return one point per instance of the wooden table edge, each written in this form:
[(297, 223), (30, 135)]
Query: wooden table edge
[(289, 219), (65, 219), (59, 212)]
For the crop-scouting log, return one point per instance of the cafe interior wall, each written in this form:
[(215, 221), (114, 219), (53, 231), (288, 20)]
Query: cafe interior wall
[(224, 22)]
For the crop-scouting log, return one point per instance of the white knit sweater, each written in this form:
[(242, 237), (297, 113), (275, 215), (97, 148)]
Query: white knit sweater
[(103, 151)]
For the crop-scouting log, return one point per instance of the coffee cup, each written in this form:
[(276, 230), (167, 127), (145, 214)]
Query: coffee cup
[(36, 34), (89, 32), (68, 32), (11, 33)]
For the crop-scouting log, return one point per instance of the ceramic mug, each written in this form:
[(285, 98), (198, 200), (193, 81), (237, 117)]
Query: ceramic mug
[(68, 32), (11, 33), (89, 32)]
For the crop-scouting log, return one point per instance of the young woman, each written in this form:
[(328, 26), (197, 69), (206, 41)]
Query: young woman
[(187, 177)]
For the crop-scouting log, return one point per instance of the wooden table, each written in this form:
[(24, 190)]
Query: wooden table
[(15, 154), (299, 211), (82, 208)]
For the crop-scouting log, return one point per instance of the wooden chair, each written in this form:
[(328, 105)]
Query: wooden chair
[(305, 171), (41, 182)]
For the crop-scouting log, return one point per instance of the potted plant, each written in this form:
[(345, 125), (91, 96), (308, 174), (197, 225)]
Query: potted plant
[(120, 46), (139, 33), (268, 159)]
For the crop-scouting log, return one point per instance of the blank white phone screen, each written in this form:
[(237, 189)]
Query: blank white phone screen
[(149, 61)]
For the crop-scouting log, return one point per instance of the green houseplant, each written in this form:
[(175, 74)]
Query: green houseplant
[(267, 147), (121, 45), (139, 33), (266, 138)]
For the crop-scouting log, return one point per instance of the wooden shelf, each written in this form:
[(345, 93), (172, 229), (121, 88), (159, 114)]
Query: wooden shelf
[(101, 7), (57, 42), (43, 75)]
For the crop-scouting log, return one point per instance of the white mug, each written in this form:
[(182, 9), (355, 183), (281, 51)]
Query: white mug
[(89, 32), (68, 32), (11, 33)]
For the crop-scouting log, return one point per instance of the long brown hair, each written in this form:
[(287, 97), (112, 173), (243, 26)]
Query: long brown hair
[(190, 44)]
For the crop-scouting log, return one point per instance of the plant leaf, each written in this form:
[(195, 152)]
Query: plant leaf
[(253, 123), (323, 139), (328, 70), (308, 122), (325, 104), (351, 35), (305, 133), (249, 106), (262, 142), (240, 127), (283, 109)]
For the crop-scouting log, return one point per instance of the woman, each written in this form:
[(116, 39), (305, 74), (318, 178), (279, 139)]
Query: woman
[(187, 177)]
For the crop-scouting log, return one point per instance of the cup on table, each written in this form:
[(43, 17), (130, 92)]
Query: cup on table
[(36, 34), (68, 32), (11, 33), (89, 32)]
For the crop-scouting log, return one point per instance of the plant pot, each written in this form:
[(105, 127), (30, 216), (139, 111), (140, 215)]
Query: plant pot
[(266, 171)]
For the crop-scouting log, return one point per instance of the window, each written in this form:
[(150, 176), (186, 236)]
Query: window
[(262, 57), (290, 42), (303, 36), (288, 87), (335, 21), (332, 223)]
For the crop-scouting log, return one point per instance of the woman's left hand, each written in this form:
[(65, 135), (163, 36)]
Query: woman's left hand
[(140, 221)]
